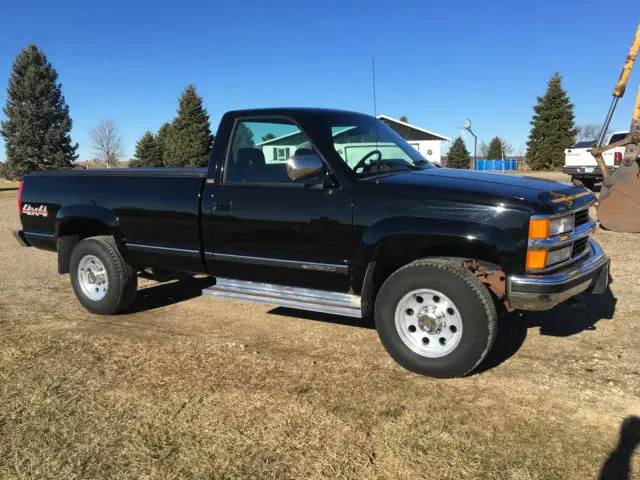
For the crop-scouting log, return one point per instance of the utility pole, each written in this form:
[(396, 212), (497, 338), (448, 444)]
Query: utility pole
[(467, 127)]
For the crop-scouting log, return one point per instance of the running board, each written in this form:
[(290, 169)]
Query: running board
[(282, 296)]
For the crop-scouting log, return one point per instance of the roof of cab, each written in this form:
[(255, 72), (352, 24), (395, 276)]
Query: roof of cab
[(291, 111)]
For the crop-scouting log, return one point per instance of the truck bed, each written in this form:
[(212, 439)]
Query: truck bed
[(154, 212)]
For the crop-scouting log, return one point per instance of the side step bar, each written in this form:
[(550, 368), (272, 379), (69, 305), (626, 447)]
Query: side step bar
[(283, 296)]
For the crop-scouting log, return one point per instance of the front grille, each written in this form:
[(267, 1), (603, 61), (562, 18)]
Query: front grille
[(582, 217), (579, 246)]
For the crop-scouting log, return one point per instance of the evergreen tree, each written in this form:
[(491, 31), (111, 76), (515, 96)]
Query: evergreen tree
[(148, 153), (268, 136), (404, 119), (161, 139), (38, 125), (494, 151), (553, 127), (242, 138), (189, 139), (458, 156)]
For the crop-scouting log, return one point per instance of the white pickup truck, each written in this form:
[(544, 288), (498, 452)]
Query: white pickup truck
[(580, 164)]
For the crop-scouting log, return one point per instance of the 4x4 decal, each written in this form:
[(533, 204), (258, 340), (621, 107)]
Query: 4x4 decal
[(40, 211)]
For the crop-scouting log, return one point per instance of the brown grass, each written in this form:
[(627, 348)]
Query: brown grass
[(205, 388)]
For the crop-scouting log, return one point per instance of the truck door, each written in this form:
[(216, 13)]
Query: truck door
[(259, 225)]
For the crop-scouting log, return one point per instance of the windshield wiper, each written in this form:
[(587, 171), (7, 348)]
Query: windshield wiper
[(420, 162)]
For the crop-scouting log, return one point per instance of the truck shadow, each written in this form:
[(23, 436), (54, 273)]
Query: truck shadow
[(323, 317), (568, 318), (177, 288), (618, 463)]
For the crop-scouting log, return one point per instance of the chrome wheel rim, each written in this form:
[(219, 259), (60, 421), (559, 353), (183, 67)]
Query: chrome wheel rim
[(93, 278), (428, 323)]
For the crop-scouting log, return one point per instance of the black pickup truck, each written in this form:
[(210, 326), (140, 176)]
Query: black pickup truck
[(328, 211)]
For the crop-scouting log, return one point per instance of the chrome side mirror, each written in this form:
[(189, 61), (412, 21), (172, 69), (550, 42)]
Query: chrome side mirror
[(304, 167)]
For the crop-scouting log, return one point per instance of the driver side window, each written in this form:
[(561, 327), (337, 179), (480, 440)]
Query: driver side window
[(260, 150)]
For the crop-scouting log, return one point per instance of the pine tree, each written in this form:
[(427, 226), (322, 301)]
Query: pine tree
[(553, 128), (148, 153), (268, 136), (161, 139), (403, 118), (242, 138), (37, 129), (189, 138), (494, 151), (458, 156)]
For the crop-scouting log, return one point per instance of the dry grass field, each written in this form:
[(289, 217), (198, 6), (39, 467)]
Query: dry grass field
[(189, 387)]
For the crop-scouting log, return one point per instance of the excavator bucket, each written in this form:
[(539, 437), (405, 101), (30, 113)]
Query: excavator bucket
[(619, 210)]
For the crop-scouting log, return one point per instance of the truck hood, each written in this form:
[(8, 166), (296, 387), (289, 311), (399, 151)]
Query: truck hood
[(546, 196)]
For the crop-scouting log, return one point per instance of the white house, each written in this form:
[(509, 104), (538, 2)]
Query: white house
[(428, 143)]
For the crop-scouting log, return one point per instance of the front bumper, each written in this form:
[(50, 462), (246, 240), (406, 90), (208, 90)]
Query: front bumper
[(543, 292)]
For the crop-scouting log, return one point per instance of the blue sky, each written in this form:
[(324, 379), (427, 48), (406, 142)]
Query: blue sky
[(436, 62)]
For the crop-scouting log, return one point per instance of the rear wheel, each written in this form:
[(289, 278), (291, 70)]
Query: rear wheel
[(102, 281), (589, 183), (435, 318)]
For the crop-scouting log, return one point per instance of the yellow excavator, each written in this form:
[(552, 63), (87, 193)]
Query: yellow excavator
[(619, 205)]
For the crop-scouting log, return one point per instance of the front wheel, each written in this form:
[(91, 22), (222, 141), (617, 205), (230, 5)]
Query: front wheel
[(436, 318), (102, 281)]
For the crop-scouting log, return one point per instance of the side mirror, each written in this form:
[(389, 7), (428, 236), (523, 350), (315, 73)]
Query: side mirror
[(304, 167)]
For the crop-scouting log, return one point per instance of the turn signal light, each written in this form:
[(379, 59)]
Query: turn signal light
[(539, 228), (536, 259)]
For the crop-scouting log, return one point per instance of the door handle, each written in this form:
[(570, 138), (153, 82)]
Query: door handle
[(221, 206)]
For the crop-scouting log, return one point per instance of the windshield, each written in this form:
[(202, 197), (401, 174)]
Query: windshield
[(369, 147)]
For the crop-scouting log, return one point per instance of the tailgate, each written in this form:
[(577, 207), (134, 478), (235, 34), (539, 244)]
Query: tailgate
[(581, 157)]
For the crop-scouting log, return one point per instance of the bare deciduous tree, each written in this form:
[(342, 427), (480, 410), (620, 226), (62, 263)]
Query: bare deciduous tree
[(589, 131), (484, 149), (106, 141)]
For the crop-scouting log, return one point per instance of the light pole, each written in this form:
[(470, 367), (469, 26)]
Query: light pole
[(467, 127)]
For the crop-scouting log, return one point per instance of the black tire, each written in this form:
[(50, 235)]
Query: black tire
[(123, 281), (589, 183), (472, 299)]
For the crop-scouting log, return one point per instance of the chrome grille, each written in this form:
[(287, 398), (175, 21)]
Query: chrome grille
[(579, 246), (581, 217)]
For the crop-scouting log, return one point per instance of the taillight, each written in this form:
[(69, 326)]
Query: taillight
[(617, 158), (20, 197)]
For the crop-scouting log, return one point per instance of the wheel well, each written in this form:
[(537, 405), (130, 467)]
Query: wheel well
[(72, 232), (380, 269)]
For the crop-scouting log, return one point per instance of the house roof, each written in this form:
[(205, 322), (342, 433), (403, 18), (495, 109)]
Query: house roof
[(401, 128), (413, 127)]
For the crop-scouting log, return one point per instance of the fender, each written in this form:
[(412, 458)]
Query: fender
[(73, 219), (399, 239), (74, 222)]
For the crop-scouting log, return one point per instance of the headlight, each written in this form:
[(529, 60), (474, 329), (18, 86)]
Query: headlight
[(560, 225), (541, 228)]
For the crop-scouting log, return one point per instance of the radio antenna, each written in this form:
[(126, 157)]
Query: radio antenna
[(373, 72)]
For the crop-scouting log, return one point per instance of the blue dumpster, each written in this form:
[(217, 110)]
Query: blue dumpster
[(497, 165)]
